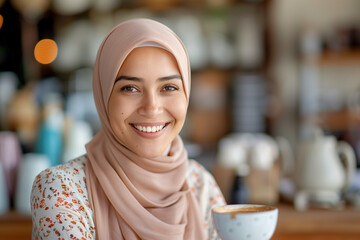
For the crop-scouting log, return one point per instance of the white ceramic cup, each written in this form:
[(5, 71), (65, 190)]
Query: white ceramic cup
[(245, 221), (31, 166), (79, 134)]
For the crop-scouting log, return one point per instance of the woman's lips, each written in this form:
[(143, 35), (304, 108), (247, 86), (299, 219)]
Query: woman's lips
[(149, 130)]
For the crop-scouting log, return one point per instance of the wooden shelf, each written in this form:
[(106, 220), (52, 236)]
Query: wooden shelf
[(335, 121), (338, 58), (317, 224)]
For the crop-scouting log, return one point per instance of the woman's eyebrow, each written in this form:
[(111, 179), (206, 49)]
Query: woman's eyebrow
[(128, 78), (175, 76), (137, 79)]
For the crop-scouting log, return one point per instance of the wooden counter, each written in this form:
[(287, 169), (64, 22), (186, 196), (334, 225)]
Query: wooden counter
[(314, 224), (317, 224), (15, 226)]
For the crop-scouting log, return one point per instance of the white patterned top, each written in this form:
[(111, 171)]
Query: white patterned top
[(61, 209)]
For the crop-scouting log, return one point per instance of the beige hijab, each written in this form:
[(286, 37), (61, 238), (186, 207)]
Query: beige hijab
[(134, 197)]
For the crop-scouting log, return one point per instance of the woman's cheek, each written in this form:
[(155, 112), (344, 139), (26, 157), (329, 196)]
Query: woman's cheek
[(179, 109)]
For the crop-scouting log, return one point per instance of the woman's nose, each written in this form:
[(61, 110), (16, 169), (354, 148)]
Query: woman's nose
[(150, 105)]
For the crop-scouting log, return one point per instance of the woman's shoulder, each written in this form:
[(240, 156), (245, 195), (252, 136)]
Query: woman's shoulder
[(203, 185), (67, 178), (207, 192), (70, 175), (196, 169), (74, 169), (59, 196), (198, 176)]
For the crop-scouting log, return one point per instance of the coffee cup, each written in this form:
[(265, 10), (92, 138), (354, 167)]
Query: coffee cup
[(245, 221)]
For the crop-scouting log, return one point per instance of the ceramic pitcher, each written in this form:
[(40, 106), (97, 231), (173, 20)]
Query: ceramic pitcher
[(324, 164)]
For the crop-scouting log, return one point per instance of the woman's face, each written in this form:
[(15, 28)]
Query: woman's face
[(148, 104)]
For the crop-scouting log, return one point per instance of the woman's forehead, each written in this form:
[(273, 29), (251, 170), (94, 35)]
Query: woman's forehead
[(149, 59)]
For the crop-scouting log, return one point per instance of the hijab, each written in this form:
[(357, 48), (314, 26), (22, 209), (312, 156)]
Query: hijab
[(133, 197)]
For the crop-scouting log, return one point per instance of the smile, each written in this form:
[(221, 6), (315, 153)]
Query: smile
[(149, 129)]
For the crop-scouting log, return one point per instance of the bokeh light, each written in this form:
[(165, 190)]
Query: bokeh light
[(1, 20), (45, 51)]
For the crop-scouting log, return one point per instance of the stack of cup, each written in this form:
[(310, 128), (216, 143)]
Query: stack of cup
[(249, 103)]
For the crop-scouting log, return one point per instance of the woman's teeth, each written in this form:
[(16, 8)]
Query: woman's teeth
[(149, 129)]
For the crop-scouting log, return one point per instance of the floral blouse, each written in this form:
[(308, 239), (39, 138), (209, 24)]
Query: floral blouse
[(61, 208)]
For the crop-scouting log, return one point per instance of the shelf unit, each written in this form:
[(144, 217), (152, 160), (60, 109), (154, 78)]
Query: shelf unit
[(336, 121), (335, 58), (343, 119)]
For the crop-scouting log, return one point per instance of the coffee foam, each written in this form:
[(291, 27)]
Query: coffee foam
[(243, 209)]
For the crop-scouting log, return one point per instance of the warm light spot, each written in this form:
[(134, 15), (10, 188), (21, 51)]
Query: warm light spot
[(45, 51), (1, 20)]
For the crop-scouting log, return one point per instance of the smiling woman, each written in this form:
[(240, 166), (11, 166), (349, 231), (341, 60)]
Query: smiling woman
[(135, 181)]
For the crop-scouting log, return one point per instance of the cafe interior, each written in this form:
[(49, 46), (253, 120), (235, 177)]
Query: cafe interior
[(274, 111)]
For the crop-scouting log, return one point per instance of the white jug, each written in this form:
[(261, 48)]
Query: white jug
[(321, 174)]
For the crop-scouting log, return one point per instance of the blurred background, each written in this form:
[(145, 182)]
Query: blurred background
[(275, 104)]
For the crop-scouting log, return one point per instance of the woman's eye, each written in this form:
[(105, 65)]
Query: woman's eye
[(170, 88), (128, 89)]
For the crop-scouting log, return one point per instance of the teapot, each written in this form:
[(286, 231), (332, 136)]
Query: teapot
[(324, 169)]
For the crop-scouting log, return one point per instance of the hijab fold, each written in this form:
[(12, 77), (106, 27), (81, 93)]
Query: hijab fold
[(134, 197)]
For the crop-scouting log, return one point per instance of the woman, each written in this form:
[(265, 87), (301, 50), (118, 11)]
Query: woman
[(135, 182)]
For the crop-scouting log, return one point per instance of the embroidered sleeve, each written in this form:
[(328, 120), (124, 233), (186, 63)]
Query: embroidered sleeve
[(208, 193), (60, 209)]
